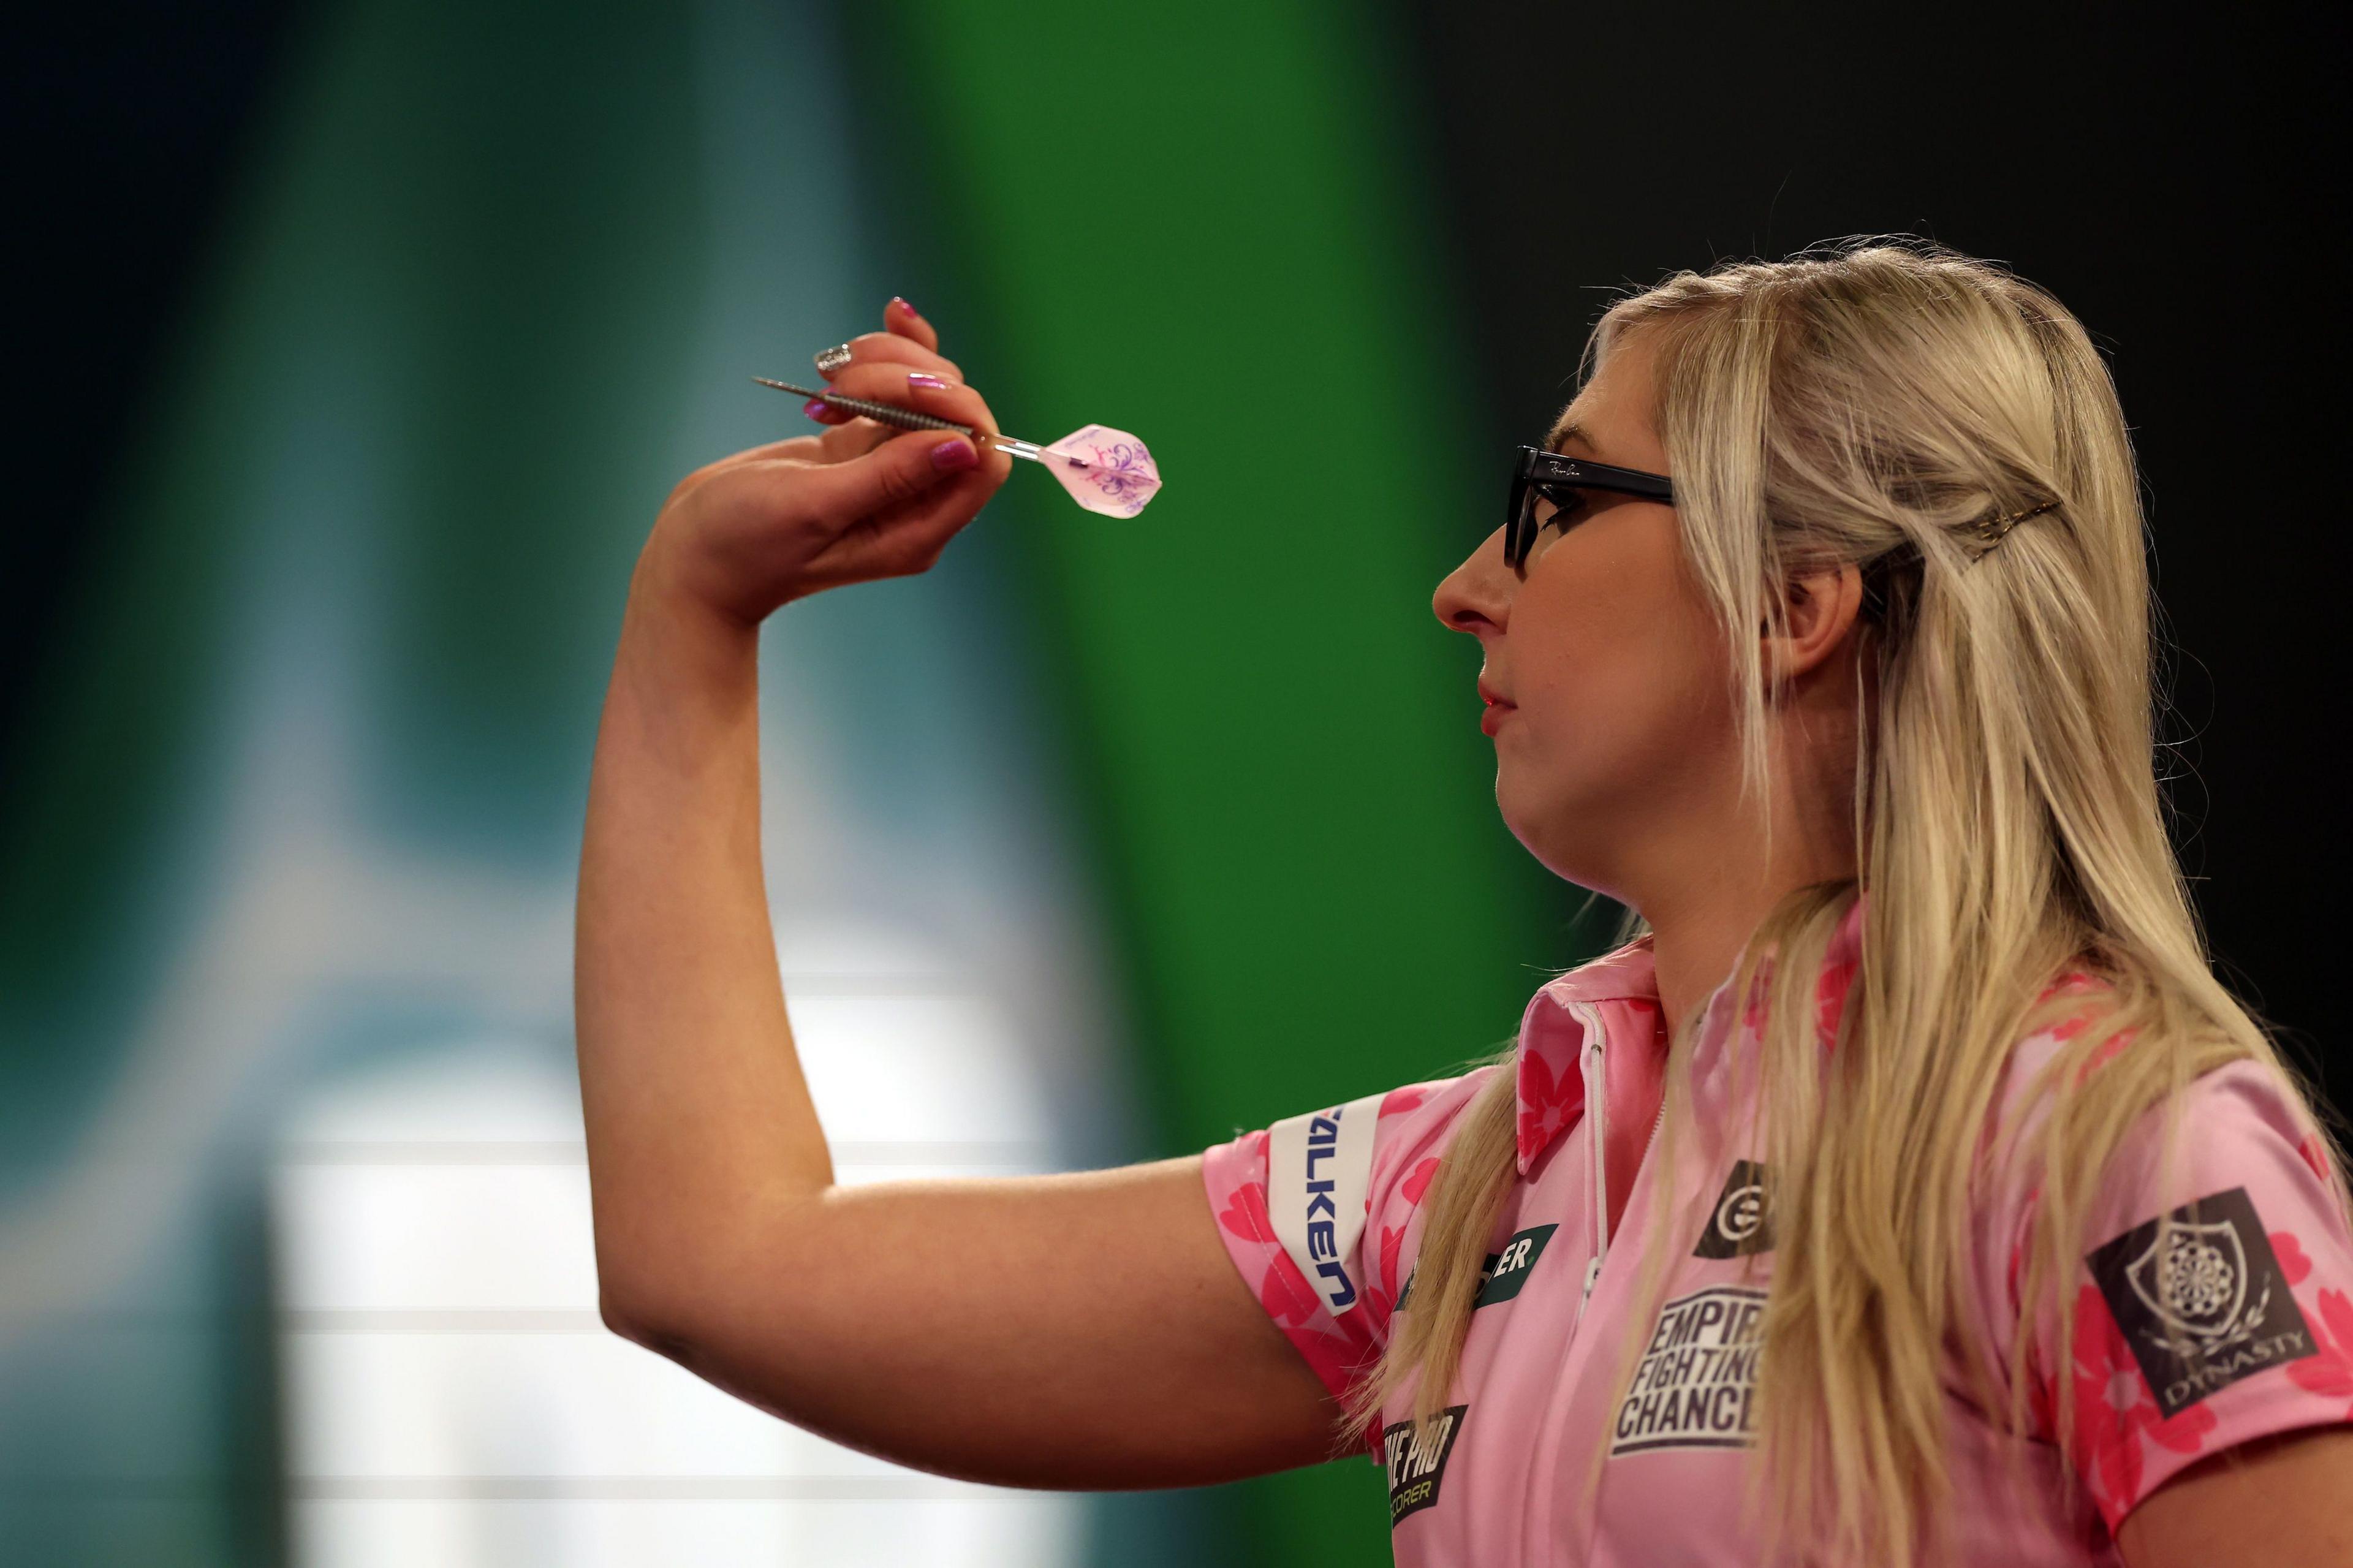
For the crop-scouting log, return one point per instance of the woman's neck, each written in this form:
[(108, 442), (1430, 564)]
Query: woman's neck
[(1706, 895), (1694, 947)]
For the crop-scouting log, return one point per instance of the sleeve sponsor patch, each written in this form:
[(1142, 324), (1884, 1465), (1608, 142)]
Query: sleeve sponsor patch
[(1738, 1225), (1697, 1384), (1319, 1177), (1416, 1468), (2199, 1296)]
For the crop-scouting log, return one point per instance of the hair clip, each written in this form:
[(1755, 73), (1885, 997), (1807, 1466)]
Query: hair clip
[(1992, 530)]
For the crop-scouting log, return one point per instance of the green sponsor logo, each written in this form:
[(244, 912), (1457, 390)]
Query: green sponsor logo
[(1501, 1276), (1504, 1272)]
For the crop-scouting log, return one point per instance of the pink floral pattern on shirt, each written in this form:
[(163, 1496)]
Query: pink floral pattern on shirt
[(2122, 1447), (2119, 1438), (1282, 1290), (2116, 1413), (2329, 1373), (1551, 1094), (1397, 1102), (1380, 1296), (1342, 1349)]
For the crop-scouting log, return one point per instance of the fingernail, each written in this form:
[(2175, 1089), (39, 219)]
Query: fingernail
[(816, 408), (900, 301), (830, 360), (951, 456), (930, 383)]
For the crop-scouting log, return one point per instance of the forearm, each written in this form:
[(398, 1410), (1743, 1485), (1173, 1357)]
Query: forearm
[(699, 1121)]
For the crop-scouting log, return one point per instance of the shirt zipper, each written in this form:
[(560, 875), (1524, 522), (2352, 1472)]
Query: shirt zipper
[(1597, 1112), (1597, 1108)]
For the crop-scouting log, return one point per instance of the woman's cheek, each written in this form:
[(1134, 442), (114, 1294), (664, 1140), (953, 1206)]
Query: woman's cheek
[(1620, 706)]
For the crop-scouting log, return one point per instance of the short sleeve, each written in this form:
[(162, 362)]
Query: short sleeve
[(2216, 1305), (1315, 1220)]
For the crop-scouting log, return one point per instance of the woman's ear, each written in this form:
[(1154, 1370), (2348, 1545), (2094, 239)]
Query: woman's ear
[(1819, 609)]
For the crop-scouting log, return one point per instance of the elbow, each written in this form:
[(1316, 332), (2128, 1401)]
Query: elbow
[(629, 1313), (650, 1327), (681, 1295), (643, 1306)]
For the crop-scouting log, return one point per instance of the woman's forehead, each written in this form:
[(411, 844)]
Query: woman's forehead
[(1609, 420)]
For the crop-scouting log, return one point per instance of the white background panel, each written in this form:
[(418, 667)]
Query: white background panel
[(539, 1404), (1017, 1530), (451, 1397)]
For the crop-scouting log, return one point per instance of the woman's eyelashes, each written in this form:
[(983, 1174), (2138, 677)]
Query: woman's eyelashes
[(1568, 508)]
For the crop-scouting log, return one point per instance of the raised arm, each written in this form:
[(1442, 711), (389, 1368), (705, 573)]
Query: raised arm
[(1081, 1330)]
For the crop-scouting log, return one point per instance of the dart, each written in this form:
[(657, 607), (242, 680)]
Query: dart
[(1106, 471)]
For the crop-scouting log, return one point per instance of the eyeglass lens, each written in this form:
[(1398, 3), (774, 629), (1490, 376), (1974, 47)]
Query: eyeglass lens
[(1531, 509)]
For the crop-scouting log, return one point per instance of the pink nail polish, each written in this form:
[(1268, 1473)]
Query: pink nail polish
[(900, 301), (816, 407), (951, 456), (929, 382)]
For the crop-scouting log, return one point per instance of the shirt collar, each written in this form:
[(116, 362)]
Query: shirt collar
[(1619, 992)]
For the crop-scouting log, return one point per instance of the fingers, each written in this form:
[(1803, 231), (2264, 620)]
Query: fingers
[(892, 511), (902, 318), (906, 340), (903, 388), (898, 472), (898, 354), (923, 391), (892, 348)]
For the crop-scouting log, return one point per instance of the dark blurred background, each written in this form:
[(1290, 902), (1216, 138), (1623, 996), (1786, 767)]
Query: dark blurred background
[(358, 341), (2169, 181)]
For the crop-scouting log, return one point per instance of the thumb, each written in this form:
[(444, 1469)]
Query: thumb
[(892, 475)]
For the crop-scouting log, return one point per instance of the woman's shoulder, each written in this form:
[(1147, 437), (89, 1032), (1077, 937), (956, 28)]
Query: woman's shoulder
[(2196, 1259), (1416, 1120), (2082, 1041), (2135, 1129)]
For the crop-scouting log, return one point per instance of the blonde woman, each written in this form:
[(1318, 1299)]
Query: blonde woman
[(1908, 1191)]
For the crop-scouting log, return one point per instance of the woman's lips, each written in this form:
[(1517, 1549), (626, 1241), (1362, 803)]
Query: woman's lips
[(1493, 717)]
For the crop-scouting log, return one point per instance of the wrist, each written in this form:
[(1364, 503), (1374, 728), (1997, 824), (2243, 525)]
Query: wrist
[(679, 577), (668, 623)]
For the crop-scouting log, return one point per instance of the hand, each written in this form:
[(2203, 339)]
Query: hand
[(862, 500)]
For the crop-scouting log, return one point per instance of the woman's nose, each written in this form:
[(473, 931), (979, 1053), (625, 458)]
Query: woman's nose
[(1476, 592)]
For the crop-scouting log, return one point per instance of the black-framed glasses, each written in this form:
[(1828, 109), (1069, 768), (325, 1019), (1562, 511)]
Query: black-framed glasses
[(1552, 476)]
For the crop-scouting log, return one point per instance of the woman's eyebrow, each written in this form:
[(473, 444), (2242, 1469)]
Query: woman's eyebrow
[(1571, 431)]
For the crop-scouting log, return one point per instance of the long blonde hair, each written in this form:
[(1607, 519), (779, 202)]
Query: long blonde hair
[(1877, 405)]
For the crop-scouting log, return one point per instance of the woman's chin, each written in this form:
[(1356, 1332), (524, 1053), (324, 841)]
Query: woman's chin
[(1566, 837), (1571, 857)]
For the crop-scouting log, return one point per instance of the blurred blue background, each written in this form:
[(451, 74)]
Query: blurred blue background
[(361, 341)]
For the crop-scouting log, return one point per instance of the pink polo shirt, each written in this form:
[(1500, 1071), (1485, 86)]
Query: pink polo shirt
[(1321, 1214)]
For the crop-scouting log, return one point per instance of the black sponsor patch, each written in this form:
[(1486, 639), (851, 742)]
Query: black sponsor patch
[(1695, 1386), (2200, 1298), (1738, 1225), (1416, 1468), (1501, 1276)]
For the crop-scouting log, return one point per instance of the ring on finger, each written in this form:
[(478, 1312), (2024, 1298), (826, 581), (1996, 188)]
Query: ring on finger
[(832, 359)]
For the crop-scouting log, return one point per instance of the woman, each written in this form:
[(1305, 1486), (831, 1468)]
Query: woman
[(1909, 1190)]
